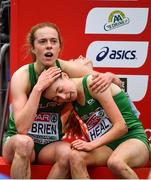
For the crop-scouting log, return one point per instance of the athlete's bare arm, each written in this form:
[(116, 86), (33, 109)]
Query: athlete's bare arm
[(24, 105)]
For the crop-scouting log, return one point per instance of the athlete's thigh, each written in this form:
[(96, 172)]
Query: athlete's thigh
[(52, 152), (133, 151), (97, 157)]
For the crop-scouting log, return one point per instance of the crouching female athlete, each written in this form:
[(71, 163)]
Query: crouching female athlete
[(115, 136)]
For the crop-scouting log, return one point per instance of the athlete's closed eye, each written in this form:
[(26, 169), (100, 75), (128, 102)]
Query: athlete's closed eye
[(59, 90)]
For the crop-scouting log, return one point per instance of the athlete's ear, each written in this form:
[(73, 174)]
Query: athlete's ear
[(32, 49), (65, 75)]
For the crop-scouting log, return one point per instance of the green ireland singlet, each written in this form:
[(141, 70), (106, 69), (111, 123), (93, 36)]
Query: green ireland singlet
[(98, 123), (47, 126)]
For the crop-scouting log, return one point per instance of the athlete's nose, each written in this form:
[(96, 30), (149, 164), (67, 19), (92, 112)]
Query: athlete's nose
[(63, 96), (49, 44)]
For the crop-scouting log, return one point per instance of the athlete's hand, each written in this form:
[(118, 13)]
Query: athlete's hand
[(47, 77), (101, 81), (81, 145)]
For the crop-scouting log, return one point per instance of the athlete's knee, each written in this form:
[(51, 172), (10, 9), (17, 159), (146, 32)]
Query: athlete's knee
[(63, 155), (75, 158), (24, 145), (115, 164)]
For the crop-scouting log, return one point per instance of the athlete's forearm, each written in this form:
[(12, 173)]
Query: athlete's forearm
[(113, 134), (25, 117)]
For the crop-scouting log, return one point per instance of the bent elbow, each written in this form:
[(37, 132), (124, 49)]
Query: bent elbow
[(21, 130), (24, 132)]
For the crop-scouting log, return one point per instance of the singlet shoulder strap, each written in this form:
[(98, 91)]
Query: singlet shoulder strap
[(86, 90), (32, 75), (58, 64)]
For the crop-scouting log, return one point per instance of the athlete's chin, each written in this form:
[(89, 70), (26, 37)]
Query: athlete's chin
[(49, 63)]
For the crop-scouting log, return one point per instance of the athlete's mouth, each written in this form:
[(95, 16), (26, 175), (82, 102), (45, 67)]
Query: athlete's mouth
[(48, 54)]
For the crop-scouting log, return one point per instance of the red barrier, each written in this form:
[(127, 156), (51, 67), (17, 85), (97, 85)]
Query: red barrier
[(41, 171)]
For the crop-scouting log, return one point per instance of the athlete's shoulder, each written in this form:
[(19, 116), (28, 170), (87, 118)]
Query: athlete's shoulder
[(21, 74), (21, 70), (114, 89)]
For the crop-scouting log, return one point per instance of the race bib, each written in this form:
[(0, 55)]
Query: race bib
[(97, 126), (45, 128)]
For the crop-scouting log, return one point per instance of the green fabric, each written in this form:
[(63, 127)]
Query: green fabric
[(132, 134), (32, 75), (58, 64), (124, 106), (11, 130)]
